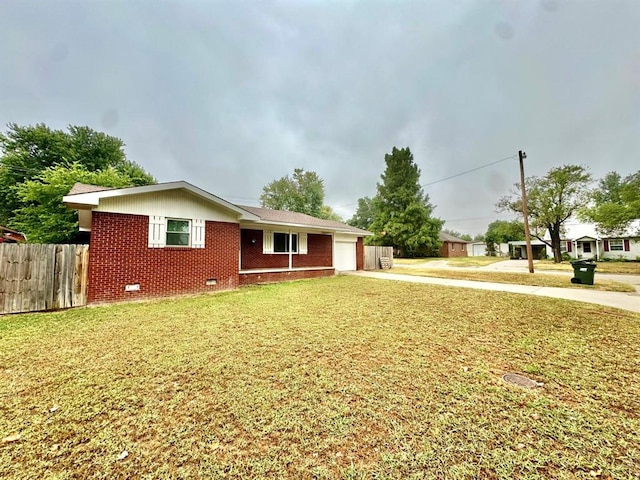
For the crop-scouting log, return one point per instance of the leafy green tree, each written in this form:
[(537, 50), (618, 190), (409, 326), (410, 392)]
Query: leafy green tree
[(551, 201), (43, 216), (402, 212), (363, 218), (615, 203), (503, 231), (303, 192), (26, 151), (327, 213)]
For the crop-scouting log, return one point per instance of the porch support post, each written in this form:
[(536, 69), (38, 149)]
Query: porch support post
[(290, 250)]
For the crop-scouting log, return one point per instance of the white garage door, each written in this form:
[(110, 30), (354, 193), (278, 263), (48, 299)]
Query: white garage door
[(345, 256)]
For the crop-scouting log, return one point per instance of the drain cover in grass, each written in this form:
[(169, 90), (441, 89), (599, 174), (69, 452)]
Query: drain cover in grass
[(519, 380)]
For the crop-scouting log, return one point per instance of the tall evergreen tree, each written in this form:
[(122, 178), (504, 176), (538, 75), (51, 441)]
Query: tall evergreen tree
[(402, 212)]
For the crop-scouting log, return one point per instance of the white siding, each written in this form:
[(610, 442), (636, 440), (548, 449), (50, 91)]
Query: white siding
[(173, 203), (632, 254)]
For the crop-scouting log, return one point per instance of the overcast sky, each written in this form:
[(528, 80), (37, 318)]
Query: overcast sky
[(230, 95)]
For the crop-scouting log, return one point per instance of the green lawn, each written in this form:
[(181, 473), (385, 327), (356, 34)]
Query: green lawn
[(536, 279), (625, 268), (452, 262), (343, 377)]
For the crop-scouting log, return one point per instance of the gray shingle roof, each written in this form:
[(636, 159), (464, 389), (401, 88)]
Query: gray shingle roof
[(283, 216), (86, 188), (445, 237)]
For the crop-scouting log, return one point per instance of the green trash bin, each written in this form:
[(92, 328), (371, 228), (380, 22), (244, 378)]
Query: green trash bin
[(583, 271)]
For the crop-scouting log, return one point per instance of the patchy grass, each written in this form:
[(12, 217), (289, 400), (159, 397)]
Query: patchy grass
[(343, 377), (536, 279), (415, 261), (473, 261), (451, 262), (625, 268)]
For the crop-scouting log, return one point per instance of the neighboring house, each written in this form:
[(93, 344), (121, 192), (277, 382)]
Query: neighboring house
[(519, 249), (451, 246), (8, 235), (175, 238), (582, 241), (479, 249)]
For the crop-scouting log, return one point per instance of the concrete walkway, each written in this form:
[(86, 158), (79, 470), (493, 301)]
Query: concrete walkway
[(624, 301)]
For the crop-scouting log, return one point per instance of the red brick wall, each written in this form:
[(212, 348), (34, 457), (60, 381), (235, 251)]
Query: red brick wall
[(252, 256), (319, 248), (360, 254), (447, 250), (271, 277), (319, 252), (119, 255)]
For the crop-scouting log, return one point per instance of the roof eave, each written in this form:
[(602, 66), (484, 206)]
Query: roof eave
[(323, 228), (83, 201)]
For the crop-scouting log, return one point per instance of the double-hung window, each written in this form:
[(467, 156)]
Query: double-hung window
[(178, 232), (616, 245), (282, 242)]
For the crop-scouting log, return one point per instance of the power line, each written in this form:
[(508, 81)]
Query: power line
[(510, 157), (469, 171), (476, 218)]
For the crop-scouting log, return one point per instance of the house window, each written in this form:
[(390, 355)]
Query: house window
[(616, 245), (281, 242), (178, 232)]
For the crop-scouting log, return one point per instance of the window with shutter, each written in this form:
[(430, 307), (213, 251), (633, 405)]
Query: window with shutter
[(302, 243), (616, 245), (197, 233), (267, 241), (157, 228)]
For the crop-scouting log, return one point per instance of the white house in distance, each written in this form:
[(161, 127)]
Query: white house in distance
[(582, 241)]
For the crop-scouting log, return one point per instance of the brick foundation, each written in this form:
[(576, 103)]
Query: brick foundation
[(120, 256), (273, 277)]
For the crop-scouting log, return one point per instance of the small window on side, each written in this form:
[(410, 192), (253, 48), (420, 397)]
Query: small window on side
[(178, 232)]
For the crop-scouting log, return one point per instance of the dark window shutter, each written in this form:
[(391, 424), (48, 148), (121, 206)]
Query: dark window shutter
[(606, 245), (626, 245), (569, 245)]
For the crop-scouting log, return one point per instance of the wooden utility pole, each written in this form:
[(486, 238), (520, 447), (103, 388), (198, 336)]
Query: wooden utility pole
[(525, 211)]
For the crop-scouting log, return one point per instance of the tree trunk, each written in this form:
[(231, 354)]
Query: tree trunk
[(554, 233)]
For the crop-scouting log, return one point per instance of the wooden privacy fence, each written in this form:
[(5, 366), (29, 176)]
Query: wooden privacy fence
[(373, 254), (42, 277)]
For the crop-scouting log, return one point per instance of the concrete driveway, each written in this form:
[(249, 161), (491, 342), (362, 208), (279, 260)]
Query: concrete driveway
[(625, 301), (522, 266)]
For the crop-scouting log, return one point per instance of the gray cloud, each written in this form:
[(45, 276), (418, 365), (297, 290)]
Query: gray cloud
[(230, 95)]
